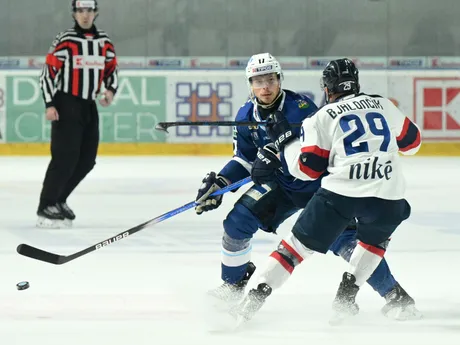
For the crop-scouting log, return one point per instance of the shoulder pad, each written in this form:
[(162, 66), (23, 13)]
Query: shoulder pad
[(244, 111)]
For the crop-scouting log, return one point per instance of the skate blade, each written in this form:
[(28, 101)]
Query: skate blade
[(337, 319), (240, 321), (45, 223), (68, 223), (217, 314), (340, 317), (409, 313)]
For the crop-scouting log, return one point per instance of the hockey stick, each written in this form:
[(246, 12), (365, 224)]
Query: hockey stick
[(39, 254), (163, 126)]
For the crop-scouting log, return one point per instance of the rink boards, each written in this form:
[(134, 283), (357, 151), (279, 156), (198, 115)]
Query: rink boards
[(429, 97)]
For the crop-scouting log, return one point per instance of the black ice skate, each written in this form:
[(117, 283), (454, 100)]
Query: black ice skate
[(67, 212), (400, 306), (50, 217), (251, 304), (233, 293), (344, 304)]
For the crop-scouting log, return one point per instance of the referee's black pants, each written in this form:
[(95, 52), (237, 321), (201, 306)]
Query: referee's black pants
[(74, 143)]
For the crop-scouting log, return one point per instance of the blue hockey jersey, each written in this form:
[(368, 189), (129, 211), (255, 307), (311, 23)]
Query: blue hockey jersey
[(247, 141)]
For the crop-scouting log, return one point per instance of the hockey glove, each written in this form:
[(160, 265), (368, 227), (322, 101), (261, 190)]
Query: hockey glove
[(211, 183), (265, 166), (279, 130)]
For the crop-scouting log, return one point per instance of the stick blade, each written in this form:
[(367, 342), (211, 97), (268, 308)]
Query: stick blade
[(161, 126), (38, 254)]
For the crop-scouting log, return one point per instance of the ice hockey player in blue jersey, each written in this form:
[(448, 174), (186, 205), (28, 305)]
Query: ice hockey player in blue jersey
[(274, 198)]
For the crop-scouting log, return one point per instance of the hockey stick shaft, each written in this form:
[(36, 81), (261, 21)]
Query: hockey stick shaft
[(163, 126), (41, 255)]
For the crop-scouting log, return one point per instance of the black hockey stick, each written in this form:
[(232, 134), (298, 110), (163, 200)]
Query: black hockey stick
[(39, 254), (163, 126)]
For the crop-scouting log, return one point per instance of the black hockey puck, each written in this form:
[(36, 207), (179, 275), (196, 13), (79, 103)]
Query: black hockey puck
[(22, 285)]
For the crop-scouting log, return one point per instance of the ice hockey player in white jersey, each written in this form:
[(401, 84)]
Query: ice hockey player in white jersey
[(357, 139)]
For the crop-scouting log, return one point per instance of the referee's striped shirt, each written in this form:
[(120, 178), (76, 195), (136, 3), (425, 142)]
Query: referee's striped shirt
[(77, 63)]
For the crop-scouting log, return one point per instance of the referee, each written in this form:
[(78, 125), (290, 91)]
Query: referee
[(78, 62)]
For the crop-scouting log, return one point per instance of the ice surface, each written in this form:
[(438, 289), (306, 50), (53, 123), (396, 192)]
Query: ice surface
[(148, 289)]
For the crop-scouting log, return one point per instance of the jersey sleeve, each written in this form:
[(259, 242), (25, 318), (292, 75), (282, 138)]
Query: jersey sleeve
[(307, 158), (244, 153), (111, 67), (53, 64), (408, 135)]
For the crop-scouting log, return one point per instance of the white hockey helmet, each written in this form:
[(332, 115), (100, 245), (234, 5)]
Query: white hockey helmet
[(261, 64)]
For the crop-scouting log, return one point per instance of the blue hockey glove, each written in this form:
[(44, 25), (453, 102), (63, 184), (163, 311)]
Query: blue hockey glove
[(265, 166), (210, 184), (279, 130)]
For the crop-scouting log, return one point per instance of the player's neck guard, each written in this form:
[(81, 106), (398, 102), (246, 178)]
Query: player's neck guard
[(266, 109), (271, 105)]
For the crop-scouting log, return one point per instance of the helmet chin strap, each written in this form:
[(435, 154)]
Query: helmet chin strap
[(326, 97)]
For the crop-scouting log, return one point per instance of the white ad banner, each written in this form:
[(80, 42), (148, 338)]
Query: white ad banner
[(430, 98)]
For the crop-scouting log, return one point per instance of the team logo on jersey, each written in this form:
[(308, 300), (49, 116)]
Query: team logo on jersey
[(302, 103), (371, 170), (91, 62)]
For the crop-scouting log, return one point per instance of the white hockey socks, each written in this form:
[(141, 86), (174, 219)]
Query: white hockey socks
[(282, 261), (364, 261)]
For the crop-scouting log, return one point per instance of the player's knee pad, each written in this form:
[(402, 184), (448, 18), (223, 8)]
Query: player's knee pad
[(236, 253), (239, 226), (289, 254), (240, 223), (292, 251), (314, 241), (384, 245), (377, 249), (378, 239), (231, 244), (269, 204)]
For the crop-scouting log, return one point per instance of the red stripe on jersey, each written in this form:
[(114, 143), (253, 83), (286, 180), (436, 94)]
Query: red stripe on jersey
[(404, 129), (284, 263), (316, 150), (414, 144), (110, 66), (51, 72), (53, 61), (375, 250), (313, 161), (76, 72), (106, 47), (292, 251), (309, 172), (60, 46)]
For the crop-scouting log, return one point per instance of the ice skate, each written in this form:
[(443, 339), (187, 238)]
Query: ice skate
[(67, 212), (228, 294), (50, 218), (251, 304), (344, 304), (400, 306)]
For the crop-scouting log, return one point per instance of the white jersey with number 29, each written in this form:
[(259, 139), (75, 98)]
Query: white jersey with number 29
[(357, 139)]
